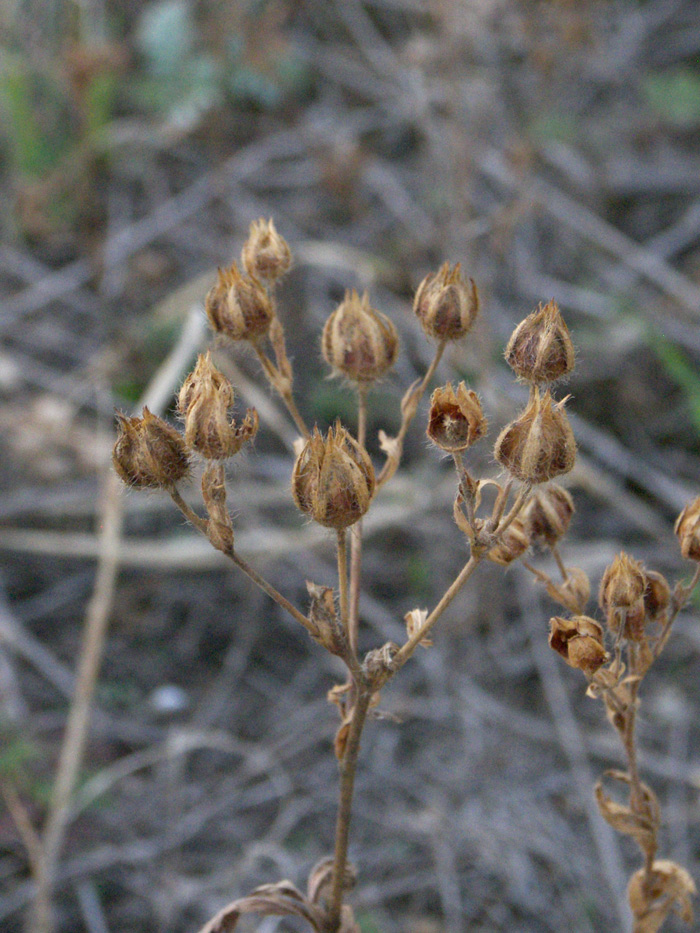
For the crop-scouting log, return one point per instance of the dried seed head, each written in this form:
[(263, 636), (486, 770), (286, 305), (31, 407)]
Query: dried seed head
[(540, 444), (149, 453), (621, 596), (657, 596), (265, 254), (579, 641), (513, 544), (238, 306), (205, 398), (333, 479), (540, 348), (456, 420), (358, 341), (687, 529), (445, 304), (548, 513)]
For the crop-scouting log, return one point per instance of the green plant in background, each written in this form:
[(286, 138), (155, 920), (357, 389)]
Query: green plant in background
[(682, 371), (181, 81), (675, 96)]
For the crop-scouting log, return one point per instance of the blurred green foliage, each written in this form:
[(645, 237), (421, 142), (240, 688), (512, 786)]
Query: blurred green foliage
[(675, 96), (683, 372)]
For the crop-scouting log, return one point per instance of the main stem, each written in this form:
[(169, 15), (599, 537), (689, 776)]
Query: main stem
[(348, 768)]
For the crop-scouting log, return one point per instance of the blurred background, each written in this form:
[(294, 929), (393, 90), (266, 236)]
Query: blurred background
[(552, 149)]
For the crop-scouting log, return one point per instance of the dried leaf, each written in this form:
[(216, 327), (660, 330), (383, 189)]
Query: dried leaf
[(341, 740), (269, 900), (415, 620), (668, 889), (321, 878), (392, 447), (642, 825)]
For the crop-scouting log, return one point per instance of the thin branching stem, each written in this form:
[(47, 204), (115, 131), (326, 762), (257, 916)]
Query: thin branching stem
[(275, 378), (356, 531), (342, 554), (407, 649), (243, 564), (416, 394), (560, 563)]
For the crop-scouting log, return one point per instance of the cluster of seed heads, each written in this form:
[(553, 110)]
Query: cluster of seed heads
[(334, 483)]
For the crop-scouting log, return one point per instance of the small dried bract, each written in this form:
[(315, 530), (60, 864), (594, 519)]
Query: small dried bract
[(445, 304), (621, 597), (204, 401), (540, 349), (579, 641), (238, 306), (513, 544), (415, 620), (266, 255), (540, 444), (548, 514), (574, 592), (333, 479), (456, 420), (687, 529), (358, 341), (657, 596), (149, 453)]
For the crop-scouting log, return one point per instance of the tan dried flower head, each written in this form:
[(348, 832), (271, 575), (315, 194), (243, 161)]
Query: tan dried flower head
[(238, 306), (266, 255), (204, 401), (333, 479), (513, 544), (579, 641), (687, 529), (621, 596), (540, 444), (445, 304), (358, 341), (456, 420), (548, 513), (149, 453), (540, 349)]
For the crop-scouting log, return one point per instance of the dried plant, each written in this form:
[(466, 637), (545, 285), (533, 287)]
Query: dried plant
[(334, 483)]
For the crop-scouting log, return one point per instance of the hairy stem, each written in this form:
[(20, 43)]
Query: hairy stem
[(243, 564), (356, 531), (275, 378), (348, 768), (406, 650), (342, 552), (416, 394)]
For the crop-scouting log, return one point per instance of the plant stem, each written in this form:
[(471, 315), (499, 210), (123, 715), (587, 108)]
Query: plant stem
[(274, 377), (416, 394), (356, 531), (342, 552), (406, 650), (348, 768), (243, 564), (41, 918)]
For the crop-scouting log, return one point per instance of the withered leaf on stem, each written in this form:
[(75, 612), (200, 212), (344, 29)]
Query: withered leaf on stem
[(669, 890), (269, 900), (642, 824)]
